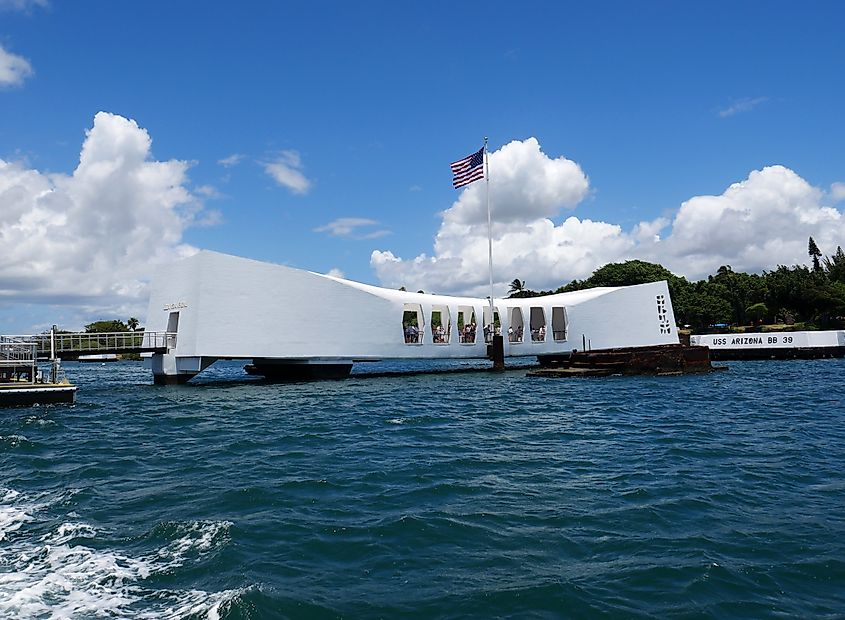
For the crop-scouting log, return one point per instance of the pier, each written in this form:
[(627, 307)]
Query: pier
[(21, 381), (71, 345)]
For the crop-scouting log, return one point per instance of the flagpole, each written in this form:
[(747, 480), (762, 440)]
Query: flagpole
[(489, 231), (497, 348)]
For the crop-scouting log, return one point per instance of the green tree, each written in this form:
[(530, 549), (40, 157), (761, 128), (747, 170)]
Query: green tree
[(518, 290), (740, 290), (705, 306), (757, 312), (106, 326), (815, 254), (834, 266), (828, 301), (628, 273), (517, 286), (799, 291), (132, 323), (572, 285)]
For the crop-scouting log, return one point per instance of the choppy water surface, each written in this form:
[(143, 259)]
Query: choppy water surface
[(448, 496)]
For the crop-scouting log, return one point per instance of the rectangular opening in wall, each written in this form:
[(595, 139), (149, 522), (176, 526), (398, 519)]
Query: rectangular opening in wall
[(172, 328), (413, 324), (441, 325), (467, 325), (516, 326), (559, 323), (492, 324), (538, 324)]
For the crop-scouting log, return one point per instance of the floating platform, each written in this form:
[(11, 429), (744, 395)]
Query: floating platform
[(773, 345), (670, 359), (98, 357), (21, 382), (29, 394)]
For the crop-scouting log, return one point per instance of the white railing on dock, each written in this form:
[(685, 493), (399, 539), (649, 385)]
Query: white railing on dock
[(114, 341), (85, 342), (16, 351)]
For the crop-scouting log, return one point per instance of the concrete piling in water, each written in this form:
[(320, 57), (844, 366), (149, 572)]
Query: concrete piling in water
[(498, 352)]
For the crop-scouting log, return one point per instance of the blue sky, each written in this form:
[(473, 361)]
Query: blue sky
[(319, 134)]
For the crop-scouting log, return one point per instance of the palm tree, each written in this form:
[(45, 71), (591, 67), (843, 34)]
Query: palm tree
[(132, 323), (517, 286)]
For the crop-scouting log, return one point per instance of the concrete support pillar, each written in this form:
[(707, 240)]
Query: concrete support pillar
[(167, 370), (498, 352)]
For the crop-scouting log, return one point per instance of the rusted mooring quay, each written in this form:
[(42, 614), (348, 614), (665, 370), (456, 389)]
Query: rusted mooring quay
[(669, 359)]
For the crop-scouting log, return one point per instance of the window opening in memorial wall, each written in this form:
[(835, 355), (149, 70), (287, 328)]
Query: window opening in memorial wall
[(559, 323), (467, 325), (441, 325), (413, 324), (173, 323), (491, 327), (538, 324), (516, 326)]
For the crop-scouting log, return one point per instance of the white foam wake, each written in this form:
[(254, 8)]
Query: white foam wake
[(55, 575)]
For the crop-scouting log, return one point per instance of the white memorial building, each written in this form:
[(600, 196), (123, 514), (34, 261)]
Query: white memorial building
[(297, 324)]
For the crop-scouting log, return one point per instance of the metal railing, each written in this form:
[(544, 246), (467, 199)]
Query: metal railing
[(16, 351), (84, 343), (112, 342)]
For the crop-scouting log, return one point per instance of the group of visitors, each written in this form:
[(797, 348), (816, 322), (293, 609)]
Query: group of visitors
[(537, 335), (440, 334), (489, 330), (515, 335), (412, 334)]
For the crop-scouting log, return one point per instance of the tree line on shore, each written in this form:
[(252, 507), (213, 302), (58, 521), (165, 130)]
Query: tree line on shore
[(115, 325), (813, 297)]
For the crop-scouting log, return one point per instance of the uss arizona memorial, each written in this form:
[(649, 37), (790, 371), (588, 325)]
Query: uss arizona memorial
[(297, 324)]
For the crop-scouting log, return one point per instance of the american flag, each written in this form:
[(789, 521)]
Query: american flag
[(468, 169)]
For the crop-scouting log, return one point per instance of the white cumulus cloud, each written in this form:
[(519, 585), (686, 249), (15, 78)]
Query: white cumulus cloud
[(286, 170), (526, 188), (754, 224), (92, 238), (14, 69), (524, 184), (354, 227)]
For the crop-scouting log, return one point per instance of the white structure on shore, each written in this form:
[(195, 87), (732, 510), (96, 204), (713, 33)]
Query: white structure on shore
[(773, 345), (297, 324)]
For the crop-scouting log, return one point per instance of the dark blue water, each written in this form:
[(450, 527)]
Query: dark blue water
[(430, 496)]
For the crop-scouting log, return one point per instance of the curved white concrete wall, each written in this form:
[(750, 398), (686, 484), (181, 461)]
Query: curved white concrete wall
[(232, 307)]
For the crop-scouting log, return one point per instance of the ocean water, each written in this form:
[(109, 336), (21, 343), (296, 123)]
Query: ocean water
[(473, 495)]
